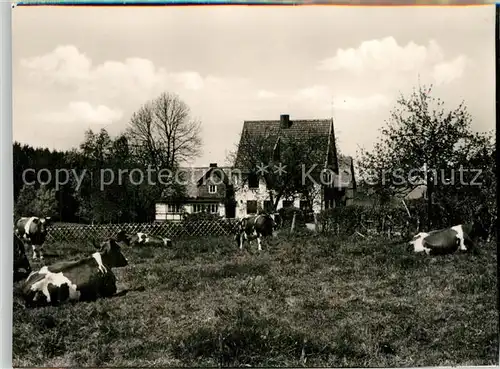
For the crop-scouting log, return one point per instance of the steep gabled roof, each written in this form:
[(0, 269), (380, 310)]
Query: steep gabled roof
[(194, 176), (297, 129)]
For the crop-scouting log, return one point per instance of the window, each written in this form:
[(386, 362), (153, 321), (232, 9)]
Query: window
[(304, 205), (329, 204), (173, 208), (253, 181), (213, 208), (212, 189), (287, 204), (206, 208), (268, 206), (251, 207)]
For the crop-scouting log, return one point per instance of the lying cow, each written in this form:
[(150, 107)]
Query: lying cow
[(22, 267), (461, 237), (80, 280), (142, 239), (33, 230), (254, 227)]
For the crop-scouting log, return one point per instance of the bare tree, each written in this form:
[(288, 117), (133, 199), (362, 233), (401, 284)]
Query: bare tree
[(163, 133)]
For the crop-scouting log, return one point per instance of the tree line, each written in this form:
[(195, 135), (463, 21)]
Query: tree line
[(422, 143), (160, 135)]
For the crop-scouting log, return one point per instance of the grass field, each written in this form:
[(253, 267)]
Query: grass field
[(307, 301)]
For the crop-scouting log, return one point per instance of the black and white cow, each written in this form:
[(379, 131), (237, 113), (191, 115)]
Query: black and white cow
[(81, 280), (33, 231), (22, 267), (462, 237), (254, 227), (142, 239)]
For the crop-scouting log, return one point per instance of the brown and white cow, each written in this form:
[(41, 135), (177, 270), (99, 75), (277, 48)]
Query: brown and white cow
[(462, 237), (142, 239), (22, 267), (33, 231), (81, 280), (254, 227)]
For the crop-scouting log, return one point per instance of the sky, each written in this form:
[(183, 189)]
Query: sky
[(76, 68)]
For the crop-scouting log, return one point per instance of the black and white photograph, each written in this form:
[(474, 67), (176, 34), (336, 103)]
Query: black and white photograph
[(254, 186)]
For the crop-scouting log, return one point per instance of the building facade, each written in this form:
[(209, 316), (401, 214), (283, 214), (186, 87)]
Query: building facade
[(208, 190), (252, 192)]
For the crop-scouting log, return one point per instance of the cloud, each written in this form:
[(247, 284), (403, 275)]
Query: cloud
[(386, 55), (83, 112), (322, 97), (264, 94), (134, 77), (449, 71), (362, 103), (63, 64)]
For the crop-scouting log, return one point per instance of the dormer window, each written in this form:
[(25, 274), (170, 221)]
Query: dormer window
[(212, 189)]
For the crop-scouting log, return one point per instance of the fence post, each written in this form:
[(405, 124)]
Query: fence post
[(293, 223)]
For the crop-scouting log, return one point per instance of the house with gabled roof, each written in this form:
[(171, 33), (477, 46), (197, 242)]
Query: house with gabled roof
[(207, 189), (252, 192)]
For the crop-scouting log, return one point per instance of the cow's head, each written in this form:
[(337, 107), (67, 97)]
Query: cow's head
[(111, 254), (43, 224), (122, 236)]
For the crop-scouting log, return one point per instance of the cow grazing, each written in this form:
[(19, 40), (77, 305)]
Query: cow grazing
[(33, 230), (81, 280), (461, 237), (22, 267), (254, 227), (142, 239)]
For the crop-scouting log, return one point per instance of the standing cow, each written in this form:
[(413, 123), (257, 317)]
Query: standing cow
[(33, 230), (254, 227), (22, 267), (142, 239), (81, 280)]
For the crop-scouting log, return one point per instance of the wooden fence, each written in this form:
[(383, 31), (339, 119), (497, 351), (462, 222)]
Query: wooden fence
[(173, 230)]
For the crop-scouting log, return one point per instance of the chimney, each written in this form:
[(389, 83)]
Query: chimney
[(213, 165), (285, 121)]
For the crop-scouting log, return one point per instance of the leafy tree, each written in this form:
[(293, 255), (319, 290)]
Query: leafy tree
[(45, 202), (420, 144), (296, 155), (24, 205)]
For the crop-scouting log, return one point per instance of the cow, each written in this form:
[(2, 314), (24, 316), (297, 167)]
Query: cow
[(85, 279), (142, 239), (461, 237), (33, 230), (254, 227), (22, 267)]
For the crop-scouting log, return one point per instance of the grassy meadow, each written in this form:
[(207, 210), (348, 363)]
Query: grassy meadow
[(306, 301)]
